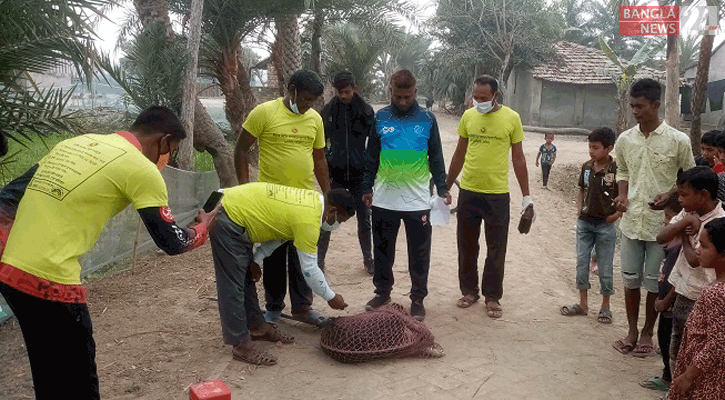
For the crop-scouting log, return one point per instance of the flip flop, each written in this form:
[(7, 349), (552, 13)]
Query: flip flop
[(493, 309), (312, 317), (467, 301), (623, 347), (273, 335), (604, 316), (254, 356), (572, 310), (655, 383), (643, 351)]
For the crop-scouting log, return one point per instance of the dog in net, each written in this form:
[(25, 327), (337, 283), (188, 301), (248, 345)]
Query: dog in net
[(386, 332)]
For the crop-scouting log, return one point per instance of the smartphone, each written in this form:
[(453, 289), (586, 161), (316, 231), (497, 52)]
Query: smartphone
[(213, 200)]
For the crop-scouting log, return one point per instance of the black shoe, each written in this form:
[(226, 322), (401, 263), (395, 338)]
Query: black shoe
[(417, 310), (377, 301)]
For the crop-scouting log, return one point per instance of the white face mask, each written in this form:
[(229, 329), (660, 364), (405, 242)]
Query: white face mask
[(327, 227), (293, 104), (483, 107)]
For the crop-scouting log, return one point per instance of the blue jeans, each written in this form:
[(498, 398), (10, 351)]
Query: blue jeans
[(602, 238)]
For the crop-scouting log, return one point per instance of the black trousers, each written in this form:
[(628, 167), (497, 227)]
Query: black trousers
[(494, 211), (363, 227), (418, 230), (274, 280), (664, 334), (61, 349), (545, 169)]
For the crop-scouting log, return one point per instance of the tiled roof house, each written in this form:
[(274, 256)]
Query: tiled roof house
[(574, 89)]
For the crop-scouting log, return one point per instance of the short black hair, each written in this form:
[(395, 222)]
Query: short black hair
[(487, 80), (699, 178), (673, 203), (343, 79), (308, 81), (716, 230), (342, 198), (710, 137), (403, 79), (720, 140), (157, 119), (648, 88), (548, 134), (603, 135)]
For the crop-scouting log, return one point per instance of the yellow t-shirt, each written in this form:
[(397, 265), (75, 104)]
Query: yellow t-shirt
[(275, 212), (490, 136), (78, 187), (286, 141)]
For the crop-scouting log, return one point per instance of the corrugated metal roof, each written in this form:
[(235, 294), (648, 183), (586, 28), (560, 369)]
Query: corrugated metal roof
[(577, 64)]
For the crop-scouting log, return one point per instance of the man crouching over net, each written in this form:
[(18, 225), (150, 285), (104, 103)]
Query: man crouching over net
[(269, 214)]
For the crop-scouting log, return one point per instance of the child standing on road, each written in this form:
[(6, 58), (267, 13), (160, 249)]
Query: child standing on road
[(547, 153), (697, 193), (665, 299), (700, 371), (595, 225)]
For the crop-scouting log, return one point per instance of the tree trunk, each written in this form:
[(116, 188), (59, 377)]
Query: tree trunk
[(286, 51), (672, 72), (150, 11), (316, 51), (207, 136), (700, 90), (672, 90), (186, 159), (622, 104)]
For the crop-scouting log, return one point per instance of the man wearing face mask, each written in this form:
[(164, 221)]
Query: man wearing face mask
[(348, 120), (75, 190), (404, 151), (269, 214), (488, 131), (291, 153)]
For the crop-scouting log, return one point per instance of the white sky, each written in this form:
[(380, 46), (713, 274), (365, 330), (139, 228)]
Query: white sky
[(108, 29)]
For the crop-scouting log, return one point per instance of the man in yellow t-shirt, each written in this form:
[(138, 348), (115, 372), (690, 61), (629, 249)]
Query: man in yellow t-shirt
[(291, 139), (488, 131), (76, 189), (269, 214)]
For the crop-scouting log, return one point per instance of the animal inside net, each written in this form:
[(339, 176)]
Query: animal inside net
[(386, 332)]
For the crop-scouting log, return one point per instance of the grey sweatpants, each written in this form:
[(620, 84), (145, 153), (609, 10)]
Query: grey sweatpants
[(239, 309)]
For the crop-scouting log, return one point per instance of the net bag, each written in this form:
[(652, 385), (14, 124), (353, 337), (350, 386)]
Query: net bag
[(386, 332)]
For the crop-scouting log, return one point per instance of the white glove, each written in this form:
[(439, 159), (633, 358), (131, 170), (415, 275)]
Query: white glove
[(525, 202)]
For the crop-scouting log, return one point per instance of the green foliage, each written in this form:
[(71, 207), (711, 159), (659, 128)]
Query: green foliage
[(489, 36), (37, 36), (151, 71)]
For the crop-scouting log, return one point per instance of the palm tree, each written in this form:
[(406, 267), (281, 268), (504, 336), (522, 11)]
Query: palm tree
[(625, 76), (36, 37)]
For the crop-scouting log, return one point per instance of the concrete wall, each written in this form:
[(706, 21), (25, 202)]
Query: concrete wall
[(600, 106), (557, 104)]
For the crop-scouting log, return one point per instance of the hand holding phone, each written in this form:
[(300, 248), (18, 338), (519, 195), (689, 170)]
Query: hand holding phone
[(213, 200)]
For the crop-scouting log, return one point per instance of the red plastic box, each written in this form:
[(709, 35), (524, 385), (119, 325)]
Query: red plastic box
[(214, 390)]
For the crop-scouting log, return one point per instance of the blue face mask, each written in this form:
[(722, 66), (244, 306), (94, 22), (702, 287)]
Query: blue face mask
[(293, 104)]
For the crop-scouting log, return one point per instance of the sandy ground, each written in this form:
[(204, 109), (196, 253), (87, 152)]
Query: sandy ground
[(157, 331)]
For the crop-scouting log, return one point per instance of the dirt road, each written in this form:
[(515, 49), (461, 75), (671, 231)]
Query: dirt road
[(157, 331)]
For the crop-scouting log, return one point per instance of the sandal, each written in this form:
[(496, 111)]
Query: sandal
[(467, 301), (273, 335), (253, 356), (623, 347), (572, 310), (604, 316), (493, 309), (643, 350)]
